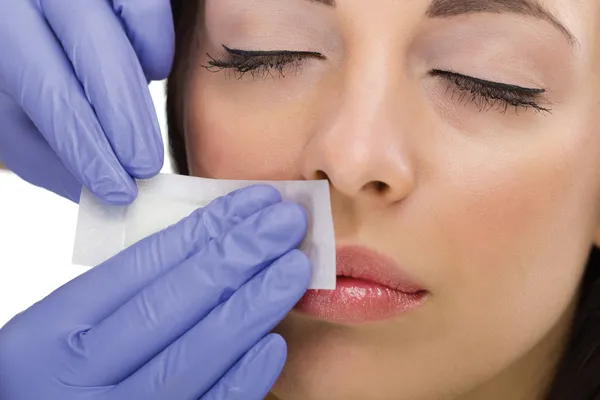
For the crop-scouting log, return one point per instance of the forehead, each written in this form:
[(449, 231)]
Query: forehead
[(580, 16), (572, 12)]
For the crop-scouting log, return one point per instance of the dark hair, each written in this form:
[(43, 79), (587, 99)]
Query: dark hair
[(186, 14), (578, 372)]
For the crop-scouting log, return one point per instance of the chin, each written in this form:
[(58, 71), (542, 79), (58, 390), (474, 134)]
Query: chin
[(334, 362)]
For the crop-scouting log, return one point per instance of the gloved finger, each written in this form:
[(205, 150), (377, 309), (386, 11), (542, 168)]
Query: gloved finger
[(114, 83), (100, 291), (29, 155), (149, 26), (40, 78), (252, 377), (189, 367), (178, 300)]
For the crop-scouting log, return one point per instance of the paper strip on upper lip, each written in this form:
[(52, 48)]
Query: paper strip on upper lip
[(103, 231)]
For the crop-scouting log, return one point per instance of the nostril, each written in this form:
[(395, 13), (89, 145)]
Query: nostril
[(380, 187), (320, 175), (374, 187)]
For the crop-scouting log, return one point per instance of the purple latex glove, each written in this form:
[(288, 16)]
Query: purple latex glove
[(182, 315), (75, 108)]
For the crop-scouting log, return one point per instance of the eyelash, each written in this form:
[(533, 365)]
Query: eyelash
[(488, 95), (484, 94), (260, 62)]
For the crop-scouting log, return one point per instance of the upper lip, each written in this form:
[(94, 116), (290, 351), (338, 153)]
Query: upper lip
[(365, 264)]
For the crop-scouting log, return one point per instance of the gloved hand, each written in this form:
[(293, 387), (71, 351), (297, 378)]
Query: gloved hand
[(182, 315), (75, 108)]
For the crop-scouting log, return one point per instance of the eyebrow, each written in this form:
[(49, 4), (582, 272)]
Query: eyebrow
[(454, 8), (326, 2), (530, 8)]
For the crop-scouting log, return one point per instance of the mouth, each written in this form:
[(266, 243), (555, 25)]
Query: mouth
[(370, 287)]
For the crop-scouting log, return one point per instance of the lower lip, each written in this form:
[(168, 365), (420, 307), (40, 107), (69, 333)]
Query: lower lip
[(356, 301)]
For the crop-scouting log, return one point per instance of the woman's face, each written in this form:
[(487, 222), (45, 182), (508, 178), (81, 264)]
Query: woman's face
[(460, 139)]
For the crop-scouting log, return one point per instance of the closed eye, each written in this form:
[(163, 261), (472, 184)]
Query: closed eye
[(260, 62), (484, 94), (493, 95)]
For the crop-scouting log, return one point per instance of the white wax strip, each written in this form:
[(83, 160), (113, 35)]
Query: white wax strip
[(103, 231)]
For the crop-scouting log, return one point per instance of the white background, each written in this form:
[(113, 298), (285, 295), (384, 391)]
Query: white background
[(37, 229)]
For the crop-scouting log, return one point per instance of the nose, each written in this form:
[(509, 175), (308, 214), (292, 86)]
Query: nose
[(364, 148)]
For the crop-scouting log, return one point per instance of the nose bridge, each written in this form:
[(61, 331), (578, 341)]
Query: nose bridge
[(366, 141), (359, 135)]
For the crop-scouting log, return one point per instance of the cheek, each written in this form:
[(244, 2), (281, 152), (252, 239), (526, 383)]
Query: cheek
[(239, 140), (517, 228), (535, 204), (510, 209)]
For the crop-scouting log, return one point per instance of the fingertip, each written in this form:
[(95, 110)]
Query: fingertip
[(276, 341), (254, 375), (288, 279), (263, 193), (147, 169), (116, 192), (143, 154), (297, 267), (157, 66), (118, 199), (151, 31), (291, 214), (295, 210), (302, 212), (269, 355), (275, 345), (275, 354), (272, 343)]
